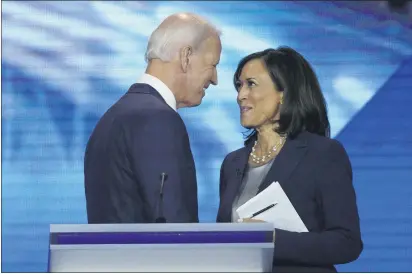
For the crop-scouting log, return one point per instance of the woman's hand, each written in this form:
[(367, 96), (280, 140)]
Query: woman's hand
[(250, 220)]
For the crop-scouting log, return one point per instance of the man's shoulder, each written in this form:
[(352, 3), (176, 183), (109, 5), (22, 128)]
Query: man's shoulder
[(141, 88), (144, 96), (151, 114), (143, 102)]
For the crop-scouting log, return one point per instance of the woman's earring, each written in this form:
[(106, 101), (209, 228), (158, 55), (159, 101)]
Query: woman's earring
[(281, 100)]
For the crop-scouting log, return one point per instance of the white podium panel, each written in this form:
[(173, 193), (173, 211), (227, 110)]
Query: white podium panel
[(161, 248)]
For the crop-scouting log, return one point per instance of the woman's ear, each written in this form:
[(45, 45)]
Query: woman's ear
[(185, 54)]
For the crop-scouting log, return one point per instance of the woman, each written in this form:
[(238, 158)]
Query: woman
[(281, 101)]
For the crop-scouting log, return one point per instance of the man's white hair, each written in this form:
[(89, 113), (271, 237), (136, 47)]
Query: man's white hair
[(177, 31)]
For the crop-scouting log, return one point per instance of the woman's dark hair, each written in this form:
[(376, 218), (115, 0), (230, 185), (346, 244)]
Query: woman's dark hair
[(304, 107)]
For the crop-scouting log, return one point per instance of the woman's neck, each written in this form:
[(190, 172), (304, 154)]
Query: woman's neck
[(267, 138)]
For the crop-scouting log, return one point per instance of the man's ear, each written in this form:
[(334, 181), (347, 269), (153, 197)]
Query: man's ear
[(185, 54)]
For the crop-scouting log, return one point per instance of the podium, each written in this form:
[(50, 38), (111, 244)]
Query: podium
[(193, 247)]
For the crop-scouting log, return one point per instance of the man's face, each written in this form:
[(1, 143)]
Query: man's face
[(202, 71)]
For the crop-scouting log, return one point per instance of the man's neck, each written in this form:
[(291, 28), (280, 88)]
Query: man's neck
[(163, 72)]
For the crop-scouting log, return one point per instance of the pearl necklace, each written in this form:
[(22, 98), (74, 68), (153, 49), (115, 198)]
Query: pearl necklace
[(275, 148)]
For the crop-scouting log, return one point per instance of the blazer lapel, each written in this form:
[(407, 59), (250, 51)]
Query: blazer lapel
[(237, 168), (240, 163), (286, 161)]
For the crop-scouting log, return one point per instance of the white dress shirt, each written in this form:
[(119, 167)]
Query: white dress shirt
[(161, 87)]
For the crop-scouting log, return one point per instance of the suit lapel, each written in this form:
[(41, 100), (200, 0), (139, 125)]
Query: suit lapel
[(286, 161), (237, 168)]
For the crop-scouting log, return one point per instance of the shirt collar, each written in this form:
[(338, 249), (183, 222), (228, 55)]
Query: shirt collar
[(160, 87)]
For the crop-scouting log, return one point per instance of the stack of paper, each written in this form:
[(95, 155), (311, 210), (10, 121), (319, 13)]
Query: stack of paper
[(283, 215)]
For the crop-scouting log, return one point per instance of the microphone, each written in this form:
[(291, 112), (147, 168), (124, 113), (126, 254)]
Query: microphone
[(160, 218)]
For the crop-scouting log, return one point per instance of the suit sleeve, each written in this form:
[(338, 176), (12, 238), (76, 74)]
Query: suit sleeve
[(222, 187), (340, 242), (162, 145)]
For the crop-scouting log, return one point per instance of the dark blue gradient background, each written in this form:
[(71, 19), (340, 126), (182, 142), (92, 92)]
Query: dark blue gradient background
[(65, 63)]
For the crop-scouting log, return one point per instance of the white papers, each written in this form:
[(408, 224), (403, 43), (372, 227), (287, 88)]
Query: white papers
[(283, 215)]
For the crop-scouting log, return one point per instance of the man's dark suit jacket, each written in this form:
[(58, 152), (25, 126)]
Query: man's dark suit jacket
[(316, 175), (136, 140)]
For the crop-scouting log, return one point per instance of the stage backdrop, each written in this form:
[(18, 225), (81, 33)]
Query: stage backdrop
[(65, 63)]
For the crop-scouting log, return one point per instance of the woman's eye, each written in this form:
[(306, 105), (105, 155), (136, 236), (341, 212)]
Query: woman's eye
[(251, 84)]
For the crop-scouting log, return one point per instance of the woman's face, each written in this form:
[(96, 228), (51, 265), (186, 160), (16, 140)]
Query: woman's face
[(257, 97)]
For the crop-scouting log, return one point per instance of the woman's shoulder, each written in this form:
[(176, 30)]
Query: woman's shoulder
[(324, 145), (234, 154)]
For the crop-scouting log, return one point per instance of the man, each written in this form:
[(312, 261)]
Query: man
[(142, 136)]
